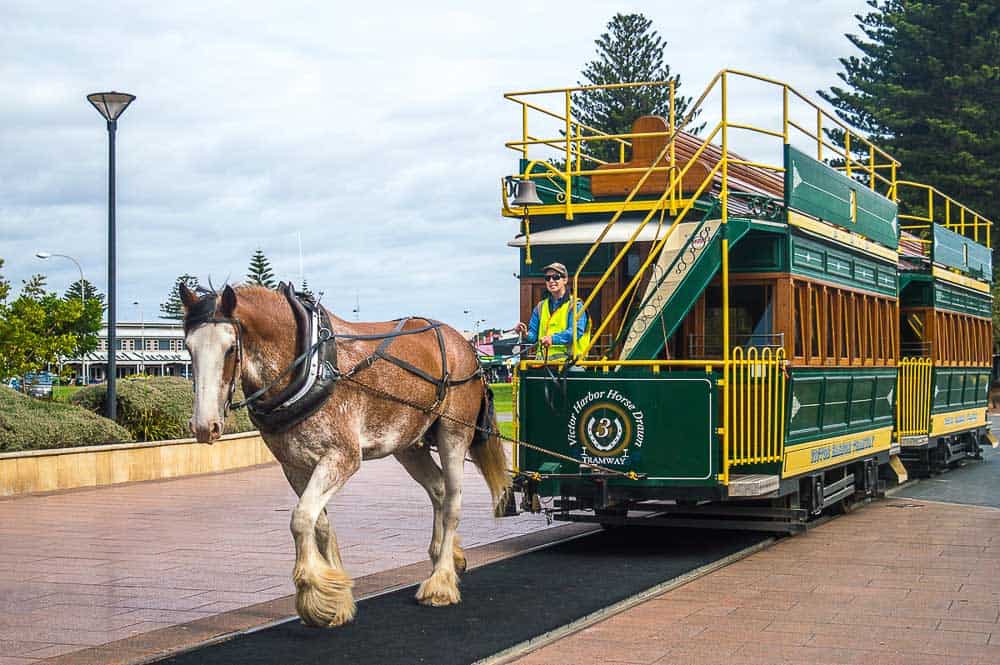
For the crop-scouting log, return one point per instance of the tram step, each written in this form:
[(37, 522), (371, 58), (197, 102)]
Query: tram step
[(753, 484)]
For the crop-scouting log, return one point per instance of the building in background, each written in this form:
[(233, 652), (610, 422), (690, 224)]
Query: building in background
[(154, 348)]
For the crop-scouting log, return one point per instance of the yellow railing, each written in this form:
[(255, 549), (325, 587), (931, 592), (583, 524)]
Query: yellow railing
[(944, 210), (758, 407), (913, 401), (859, 157)]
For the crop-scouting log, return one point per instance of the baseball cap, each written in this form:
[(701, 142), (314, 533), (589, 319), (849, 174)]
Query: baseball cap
[(557, 267)]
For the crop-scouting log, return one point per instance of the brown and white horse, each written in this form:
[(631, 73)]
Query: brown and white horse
[(249, 335)]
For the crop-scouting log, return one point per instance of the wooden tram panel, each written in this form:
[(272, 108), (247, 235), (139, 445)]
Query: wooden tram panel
[(804, 412)]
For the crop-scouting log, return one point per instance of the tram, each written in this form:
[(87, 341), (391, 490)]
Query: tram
[(779, 325)]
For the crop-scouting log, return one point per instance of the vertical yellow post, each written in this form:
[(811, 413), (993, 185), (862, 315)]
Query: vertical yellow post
[(579, 147), (784, 114), (819, 135), (515, 420), (892, 187), (673, 157), (524, 130), (726, 369), (847, 152), (569, 156)]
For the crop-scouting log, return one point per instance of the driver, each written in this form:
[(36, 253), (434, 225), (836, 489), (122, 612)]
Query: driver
[(551, 320)]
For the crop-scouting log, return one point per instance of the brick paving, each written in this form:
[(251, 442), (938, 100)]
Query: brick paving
[(902, 581), (90, 567)]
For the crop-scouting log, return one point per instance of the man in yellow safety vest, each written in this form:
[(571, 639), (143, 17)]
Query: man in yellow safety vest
[(551, 320)]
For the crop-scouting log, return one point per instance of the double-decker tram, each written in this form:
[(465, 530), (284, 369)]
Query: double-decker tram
[(779, 323)]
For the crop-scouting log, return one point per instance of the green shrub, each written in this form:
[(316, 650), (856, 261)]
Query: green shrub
[(27, 423), (155, 408)]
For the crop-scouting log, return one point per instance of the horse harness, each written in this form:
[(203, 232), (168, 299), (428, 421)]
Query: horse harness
[(316, 370)]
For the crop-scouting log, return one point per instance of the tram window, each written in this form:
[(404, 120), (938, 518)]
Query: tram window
[(751, 318), (840, 327), (830, 298)]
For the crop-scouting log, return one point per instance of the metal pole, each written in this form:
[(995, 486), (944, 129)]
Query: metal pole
[(112, 397)]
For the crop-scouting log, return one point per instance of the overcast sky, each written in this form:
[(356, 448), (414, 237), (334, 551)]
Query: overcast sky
[(373, 131)]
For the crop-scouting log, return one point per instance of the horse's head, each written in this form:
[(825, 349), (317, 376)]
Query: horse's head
[(212, 336)]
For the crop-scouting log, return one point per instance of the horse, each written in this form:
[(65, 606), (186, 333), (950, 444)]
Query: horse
[(375, 409)]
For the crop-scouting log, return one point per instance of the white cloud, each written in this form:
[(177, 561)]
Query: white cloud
[(374, 131)]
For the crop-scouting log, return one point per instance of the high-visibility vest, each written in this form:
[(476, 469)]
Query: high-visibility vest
[(550, 323)]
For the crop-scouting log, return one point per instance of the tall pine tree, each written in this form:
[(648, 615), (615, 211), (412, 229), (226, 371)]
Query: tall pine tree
[(83, 290), (629, 52), (260, 271), (926, 87), (173, 308)]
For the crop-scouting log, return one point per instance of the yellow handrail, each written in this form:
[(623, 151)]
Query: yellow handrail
[(944, 214)]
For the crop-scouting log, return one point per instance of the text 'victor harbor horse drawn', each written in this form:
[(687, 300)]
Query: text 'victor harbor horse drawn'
[(327, 394)]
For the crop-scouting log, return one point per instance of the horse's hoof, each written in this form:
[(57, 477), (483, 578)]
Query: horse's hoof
[(439, 590), (323, 598)]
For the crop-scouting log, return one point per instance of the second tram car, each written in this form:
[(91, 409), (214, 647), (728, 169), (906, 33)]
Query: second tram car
[(779, 325)]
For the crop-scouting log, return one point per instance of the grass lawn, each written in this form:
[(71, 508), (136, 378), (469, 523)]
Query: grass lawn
[(501, 397), (63, 393), (502, 403)]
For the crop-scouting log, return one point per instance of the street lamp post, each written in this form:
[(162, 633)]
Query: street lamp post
[(48, 255), (111, 105)]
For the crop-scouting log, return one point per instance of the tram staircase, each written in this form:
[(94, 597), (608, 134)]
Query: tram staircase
[(681, 273), (683, 260)]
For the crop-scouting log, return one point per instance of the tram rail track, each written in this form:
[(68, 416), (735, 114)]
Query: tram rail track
[(510, 607)]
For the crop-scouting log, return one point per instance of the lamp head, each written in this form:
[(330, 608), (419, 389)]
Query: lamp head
[(42, 255), (110, 104)]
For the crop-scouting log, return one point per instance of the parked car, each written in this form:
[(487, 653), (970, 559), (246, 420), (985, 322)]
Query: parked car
[(39, 384)]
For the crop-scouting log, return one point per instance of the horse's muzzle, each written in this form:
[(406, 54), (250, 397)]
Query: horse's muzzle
[(206, 434)]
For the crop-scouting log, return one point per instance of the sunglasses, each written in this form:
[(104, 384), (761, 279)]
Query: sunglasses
[(553, 278)]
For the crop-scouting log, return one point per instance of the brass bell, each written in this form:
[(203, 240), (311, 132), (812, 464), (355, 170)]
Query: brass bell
[(525, 193)]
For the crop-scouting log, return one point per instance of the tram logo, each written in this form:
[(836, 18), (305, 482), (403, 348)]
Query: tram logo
[(605, 424)]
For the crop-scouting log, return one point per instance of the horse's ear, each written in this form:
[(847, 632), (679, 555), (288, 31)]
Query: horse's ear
[(188, 297), (228, 301)]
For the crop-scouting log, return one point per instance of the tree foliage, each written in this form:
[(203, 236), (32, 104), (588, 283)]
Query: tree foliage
[(173, 308), (38, 327), (926, 87), (629, 52), (260, 271), (84, 287)]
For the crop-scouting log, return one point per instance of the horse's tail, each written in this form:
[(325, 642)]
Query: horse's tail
[(487, 450)]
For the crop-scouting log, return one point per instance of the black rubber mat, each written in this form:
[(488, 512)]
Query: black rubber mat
[(503, 604), (976, 483)]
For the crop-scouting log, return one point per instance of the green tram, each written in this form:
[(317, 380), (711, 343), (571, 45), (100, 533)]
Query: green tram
[(778, 326)]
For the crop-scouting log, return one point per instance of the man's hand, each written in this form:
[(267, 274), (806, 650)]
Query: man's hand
[(546, 341), (520, 328)]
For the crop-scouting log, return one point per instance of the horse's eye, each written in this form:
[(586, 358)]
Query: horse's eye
[(231, 350)]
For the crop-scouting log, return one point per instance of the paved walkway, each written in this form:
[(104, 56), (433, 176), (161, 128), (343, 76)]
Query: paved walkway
[(89, 567), (905, 581)]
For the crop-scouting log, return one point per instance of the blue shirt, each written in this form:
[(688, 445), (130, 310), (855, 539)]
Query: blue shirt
[(563, 337)]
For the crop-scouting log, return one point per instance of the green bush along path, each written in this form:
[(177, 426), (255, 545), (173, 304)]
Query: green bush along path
[(27, 423), (155, 408)]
